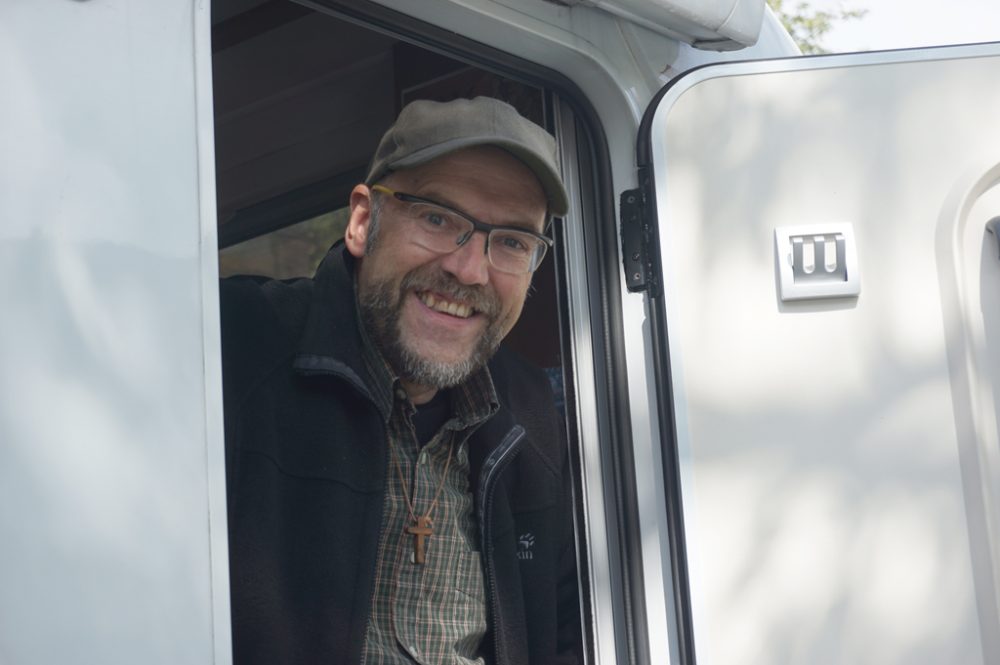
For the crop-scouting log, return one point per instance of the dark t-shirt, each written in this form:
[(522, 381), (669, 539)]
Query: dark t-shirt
[(429, 417)]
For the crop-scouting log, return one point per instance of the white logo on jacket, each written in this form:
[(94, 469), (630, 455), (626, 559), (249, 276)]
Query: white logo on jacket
[(525, 542)]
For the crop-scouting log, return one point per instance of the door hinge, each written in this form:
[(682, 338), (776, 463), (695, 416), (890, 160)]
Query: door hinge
[(635, 241)]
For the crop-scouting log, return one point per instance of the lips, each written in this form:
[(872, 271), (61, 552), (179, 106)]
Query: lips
[(439, 304), (442, 293)]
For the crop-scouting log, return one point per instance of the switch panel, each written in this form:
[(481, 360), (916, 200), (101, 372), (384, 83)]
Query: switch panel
[(817, 261)]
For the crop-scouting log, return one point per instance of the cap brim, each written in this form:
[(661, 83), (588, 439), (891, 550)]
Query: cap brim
[(555, 193)]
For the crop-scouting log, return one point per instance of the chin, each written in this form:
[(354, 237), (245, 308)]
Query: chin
[(437, 351), (439, 370)]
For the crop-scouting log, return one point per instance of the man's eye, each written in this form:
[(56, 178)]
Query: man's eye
[(432, 218), (514, 244), (435, 218)]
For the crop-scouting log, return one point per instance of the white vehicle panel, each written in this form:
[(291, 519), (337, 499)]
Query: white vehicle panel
[(112, 504), (838, 455), (715, 24)]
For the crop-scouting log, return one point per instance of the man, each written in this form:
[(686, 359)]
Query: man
[(393, 499)]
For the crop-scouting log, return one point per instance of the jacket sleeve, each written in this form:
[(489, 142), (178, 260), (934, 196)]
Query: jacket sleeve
[(255, 337)]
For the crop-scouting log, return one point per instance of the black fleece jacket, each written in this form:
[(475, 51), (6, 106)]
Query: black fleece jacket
[(306, 467)]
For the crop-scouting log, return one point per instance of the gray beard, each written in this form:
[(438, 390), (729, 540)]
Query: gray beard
[(381, 307)]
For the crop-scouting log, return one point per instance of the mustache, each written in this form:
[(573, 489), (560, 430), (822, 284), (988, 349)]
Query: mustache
[(482, 299)]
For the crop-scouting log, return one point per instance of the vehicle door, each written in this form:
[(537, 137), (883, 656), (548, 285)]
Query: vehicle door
[(816, 238)]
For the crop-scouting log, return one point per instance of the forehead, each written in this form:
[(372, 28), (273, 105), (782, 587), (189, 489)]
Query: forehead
[(486, 182)]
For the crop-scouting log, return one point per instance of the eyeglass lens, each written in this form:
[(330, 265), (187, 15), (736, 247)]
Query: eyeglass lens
[(441, 230)]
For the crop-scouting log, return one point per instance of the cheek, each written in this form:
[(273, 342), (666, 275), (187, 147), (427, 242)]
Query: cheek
[(513, 291), (386, 262), (394, 255)]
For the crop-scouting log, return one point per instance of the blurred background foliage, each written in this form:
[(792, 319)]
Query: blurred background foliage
[(808, 25)]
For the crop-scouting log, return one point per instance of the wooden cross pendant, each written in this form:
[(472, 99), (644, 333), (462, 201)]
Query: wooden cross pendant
[(422, 529)]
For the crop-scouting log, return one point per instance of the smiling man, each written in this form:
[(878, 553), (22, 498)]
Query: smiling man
[(398, 487)]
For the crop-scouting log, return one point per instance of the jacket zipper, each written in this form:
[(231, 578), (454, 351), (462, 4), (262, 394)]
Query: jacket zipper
[(494, 464)]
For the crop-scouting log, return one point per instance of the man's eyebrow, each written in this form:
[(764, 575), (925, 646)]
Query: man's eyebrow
[(441, 198), (438, 196)]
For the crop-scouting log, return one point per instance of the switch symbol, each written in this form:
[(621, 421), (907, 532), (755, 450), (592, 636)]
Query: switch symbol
[(816, 261)]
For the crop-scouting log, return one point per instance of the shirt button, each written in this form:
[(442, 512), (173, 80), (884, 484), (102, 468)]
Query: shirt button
[(422, 459)]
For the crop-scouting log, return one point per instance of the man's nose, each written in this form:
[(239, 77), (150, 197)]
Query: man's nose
[(469, 263)]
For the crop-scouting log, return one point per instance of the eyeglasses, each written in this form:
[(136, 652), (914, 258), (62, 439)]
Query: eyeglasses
[(441, 229)]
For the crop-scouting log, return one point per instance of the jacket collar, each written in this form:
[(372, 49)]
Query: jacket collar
[(331, 342)]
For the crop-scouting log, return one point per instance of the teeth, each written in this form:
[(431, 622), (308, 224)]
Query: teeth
[(452, 308)]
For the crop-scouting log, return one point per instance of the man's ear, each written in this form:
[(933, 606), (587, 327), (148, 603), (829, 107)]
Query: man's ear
[(356, 233)]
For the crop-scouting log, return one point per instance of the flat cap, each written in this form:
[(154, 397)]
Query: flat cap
[(426, 130)]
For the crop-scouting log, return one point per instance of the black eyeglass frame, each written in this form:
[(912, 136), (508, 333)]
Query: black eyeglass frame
[(476, 224)]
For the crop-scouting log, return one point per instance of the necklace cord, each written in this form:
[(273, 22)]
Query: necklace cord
[(410, 505)]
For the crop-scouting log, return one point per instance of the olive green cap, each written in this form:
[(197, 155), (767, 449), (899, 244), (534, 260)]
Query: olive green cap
[(426, 130)]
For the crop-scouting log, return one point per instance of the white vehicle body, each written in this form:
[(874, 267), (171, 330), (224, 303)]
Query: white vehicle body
[(810, 478)]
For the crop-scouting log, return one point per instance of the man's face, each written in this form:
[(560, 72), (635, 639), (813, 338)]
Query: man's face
[(438, 317)]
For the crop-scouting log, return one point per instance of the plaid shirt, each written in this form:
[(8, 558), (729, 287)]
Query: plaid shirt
[(432, 613)]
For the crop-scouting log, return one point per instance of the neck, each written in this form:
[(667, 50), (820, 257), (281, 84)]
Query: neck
[(418, 394)]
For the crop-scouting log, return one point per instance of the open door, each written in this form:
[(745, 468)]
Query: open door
[(830, 283)]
